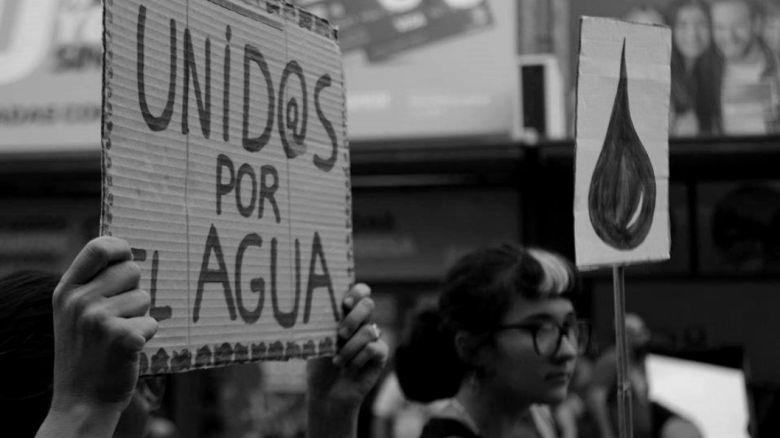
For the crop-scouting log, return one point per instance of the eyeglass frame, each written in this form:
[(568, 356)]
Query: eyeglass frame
[(581, 327)]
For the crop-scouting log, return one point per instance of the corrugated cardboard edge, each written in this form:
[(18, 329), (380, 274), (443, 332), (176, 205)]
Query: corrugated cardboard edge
[(576, 115), (106, 124), (226, 353), (348, 178)]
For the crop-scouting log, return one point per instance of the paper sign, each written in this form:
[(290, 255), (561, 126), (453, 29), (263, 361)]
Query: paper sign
[(621, 211), (226, 168)]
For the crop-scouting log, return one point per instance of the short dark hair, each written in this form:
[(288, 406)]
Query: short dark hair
[(475, 295), (26, 349)]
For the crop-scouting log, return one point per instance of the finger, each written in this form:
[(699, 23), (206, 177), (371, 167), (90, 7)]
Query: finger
[(355, 344), (139, 330), (357, 317), (116, 279), (373, 353), (113, 280), (94, 257), (128, 304), (128, 336), (353, 295)]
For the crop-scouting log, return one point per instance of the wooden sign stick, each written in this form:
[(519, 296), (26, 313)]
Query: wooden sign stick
[(625, 420)]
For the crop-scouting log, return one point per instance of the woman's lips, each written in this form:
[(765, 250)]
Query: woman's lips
[(558, 376)]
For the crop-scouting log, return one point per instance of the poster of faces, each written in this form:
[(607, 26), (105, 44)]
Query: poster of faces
[(725, 65)]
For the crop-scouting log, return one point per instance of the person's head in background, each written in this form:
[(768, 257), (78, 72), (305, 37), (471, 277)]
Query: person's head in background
[(27, 359), (505, 328), (770, 31), (736, 28), (691, 29), (645, 14), (637, 336)]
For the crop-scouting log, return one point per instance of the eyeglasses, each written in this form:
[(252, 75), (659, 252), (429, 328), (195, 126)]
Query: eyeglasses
[(548, 336)]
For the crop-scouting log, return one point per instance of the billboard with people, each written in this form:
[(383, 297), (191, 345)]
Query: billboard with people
[(725, 65)]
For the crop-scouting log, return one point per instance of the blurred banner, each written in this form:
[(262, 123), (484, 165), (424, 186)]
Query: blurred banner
[(422, 69), (414, 69), (50, 53)]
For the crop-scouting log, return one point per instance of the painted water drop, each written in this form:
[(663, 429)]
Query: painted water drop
[(622, 190)]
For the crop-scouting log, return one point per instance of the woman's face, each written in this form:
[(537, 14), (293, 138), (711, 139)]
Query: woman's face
[(691, 32), (516, 370)]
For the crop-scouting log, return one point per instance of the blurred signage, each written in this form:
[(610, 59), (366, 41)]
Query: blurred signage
[(421, 69), (51, 56), (387, 27), (713, 396)]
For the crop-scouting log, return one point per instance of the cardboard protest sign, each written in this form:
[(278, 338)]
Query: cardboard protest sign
[(621, 212), (226, 168)]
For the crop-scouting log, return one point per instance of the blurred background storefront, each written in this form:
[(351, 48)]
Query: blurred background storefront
[(460, 115)]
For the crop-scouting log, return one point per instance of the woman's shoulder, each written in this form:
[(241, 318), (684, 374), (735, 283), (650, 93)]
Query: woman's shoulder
[(446, 427), (447, 421)]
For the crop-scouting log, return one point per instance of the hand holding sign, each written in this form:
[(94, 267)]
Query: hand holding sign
[(346, 379), (337, 387), (226, 168), (100, 328)]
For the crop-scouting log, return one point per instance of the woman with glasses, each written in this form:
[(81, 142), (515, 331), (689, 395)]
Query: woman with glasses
[(500, 345)]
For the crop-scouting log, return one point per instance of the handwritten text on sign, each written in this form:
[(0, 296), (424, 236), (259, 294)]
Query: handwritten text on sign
[(226, 168)]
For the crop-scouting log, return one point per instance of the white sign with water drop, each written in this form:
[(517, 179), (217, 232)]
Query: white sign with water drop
[(621, 197)]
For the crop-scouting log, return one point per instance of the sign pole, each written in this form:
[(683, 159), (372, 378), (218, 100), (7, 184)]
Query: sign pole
[(625, 420)]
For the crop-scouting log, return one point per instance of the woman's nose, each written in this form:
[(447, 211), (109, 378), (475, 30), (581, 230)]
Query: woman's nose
[(568, 347)]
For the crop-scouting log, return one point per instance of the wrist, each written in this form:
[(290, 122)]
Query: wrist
[(329, 418), (78, 419), (333, 409), (344, 403)]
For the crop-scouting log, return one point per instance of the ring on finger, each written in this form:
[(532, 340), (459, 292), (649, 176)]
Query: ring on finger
[(376, 332)]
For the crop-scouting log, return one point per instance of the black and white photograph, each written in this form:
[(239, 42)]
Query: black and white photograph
[(389, 218)]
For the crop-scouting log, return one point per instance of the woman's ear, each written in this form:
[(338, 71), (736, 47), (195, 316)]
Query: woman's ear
[(471, 349)]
